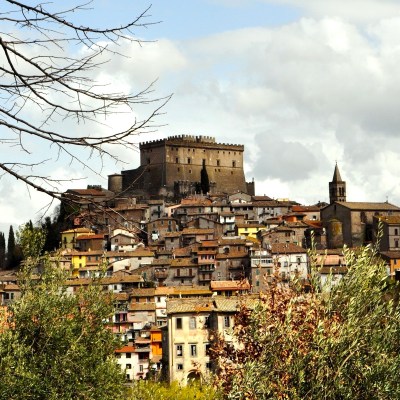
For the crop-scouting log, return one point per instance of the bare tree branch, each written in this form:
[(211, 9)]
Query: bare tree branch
[(40, 75)]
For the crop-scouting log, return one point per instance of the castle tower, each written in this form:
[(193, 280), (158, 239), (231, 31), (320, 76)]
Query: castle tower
[(174, 166), (337, 188)]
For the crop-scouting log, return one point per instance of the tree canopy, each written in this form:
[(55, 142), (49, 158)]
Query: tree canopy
[(55, 345), (339, 341)]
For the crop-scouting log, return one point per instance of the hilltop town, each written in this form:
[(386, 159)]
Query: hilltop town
[(184, 236)]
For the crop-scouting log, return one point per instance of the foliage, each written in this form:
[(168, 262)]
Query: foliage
[(204, 182), (56, 345), (149, 390), (14, 255), (2, 251), (338, 341)]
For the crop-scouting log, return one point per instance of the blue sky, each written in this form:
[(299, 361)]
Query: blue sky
[(302, 83)]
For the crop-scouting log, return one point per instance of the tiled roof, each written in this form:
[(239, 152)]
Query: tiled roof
[(230, 285), (368, 206), (390, 219), (126, 349), (286, 248), (172, 234), (190, 305), (231, 254), (90, 237), (305, 209), (161, 262), (194, 231), (143, 292), (142, 306)]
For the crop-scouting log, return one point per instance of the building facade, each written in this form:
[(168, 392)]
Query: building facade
[(173, 167)]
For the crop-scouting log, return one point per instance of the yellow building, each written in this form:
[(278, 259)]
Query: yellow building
[(86, 263), (68, 238), (248, 230)]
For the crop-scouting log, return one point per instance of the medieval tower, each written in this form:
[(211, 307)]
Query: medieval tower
[(337, 188), (173, 167)]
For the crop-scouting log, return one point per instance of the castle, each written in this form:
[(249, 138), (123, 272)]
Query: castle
[(172, 167)]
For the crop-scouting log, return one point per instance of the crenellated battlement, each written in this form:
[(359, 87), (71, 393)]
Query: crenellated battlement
[(187, 139)]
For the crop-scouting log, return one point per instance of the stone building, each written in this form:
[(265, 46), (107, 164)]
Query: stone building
[(351, 223), (172, 167)]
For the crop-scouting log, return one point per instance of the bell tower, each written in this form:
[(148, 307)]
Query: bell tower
[(337, 188)]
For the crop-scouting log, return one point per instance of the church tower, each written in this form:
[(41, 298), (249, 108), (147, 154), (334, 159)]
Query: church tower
[(337, 188)]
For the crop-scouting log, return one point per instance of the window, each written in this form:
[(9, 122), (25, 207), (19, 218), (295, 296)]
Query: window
[(234, 164), (179, 321), (128, 355), (192, 323), (188, 160), (177, 160), (298, 260), (141, 368), (218, 163), (179, 367), (128, 366), (206, 321), (227, 321), (208, 365), (179, 350), (207, 348), (193, 350)]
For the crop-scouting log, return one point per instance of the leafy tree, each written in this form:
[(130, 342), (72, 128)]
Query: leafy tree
[(149, 390), (56, 345), (332, 343)]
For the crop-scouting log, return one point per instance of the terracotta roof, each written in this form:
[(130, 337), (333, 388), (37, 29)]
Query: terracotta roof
[(142, 306), (158, 262), (194, 231), (286, 248), (261, 198), (87, 237), (172, 234), (189, 305), (126, 349), (250, 226), (231, 254), (143, 292), (209, 243), (230, 285), (390, 219), (367, 206)]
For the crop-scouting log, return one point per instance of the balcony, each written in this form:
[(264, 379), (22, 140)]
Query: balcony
[(142, 349), (203, 278)]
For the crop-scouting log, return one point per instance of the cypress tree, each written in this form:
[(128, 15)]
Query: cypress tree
[(205, 182), (2, 251)]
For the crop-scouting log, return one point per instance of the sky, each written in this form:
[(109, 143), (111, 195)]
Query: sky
[(303, 84)]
